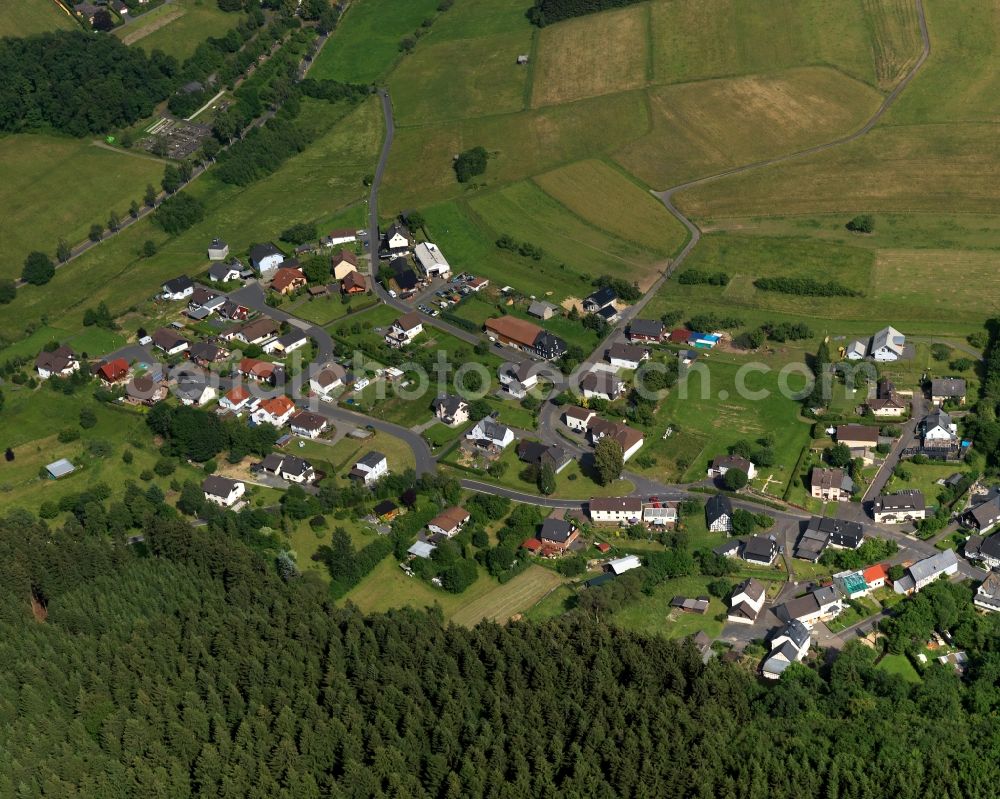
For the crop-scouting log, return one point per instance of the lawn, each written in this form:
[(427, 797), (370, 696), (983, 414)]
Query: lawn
[(366, 43), (41, 205), (901, 666), (871, 41), (439, 435), (851, 616), (324, 311), (114, 271), (651, 613), (388, 587), (924, 477), (177, 29), (304, 541), (33, 16), (511, 413), (591, 55), (346, 452), (713, 125)]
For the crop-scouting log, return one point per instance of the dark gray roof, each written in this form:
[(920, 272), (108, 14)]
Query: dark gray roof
[(451, 403), (990, 547), (558, 530), (797, 608), (938, 418), (935, 564), (261, 251), (760, 548), (181, 283), (794, 630), (646, 327), (372, 459), (602, 297), (948, 387), (901, 501), (218, 486), (295, 465), (718, 506), (291, 337)]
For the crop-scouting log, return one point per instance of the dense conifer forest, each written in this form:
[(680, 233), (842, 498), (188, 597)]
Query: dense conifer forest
[(187, 668)]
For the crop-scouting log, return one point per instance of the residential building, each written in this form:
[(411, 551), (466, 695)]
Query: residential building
[(261, 371), (719, 514), (179, 288), (578, 419), (517, 379), (539, 454), (60, 362), (449, 522), (286, 281), (898, 508), (370, 469), (988, 594), (891, 406), (224, 272), (222, 491), (988, 552), (857, 436), (629, 439), (723, 463), (984, 515), (875, 577), (525, 335), (924, 572), (265, 258), (234, 311), (205, 353), (145, 390), (557, 536), (646, 330), (451, 409), (354, 283), (338, 237), (856, 350), (477, 284), (397, 240), (194, 391), (404, 330), (258, 331), (238, 399), (328, 378), (823, 531), (830, 485), (820, 604), (939, 430), (489, 434), (789, 645), (618, 566), (542, 310), (660, 514), (627, 356), (431, 259), (599, 300), (601, 384), (274, 410), (760, 550), (948, 389), (114, 371), (615, 510), (308, 424), (888, 345), (344, 262), (218, 250), (288, 467), (746, 601), (289, 342), (167, 340)]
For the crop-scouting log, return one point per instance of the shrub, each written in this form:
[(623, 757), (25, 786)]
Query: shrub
[(165, 466), (38, 269), (805, 287), (470, 163), (862, 223), (697, 277), (940, 352), (68, 435), (734, 479), (87, 418)]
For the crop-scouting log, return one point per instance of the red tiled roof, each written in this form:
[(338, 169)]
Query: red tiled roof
[(873, 573), (603, 546), (237, 394), (520, 331), (114, 370), (532, 544), (286, 278), (277, 406), (680, 334)]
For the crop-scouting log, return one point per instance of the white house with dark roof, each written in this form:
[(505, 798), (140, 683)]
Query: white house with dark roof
[(224, 272), (577, 418), (947, 388), (404, 330), (988, 594), (517, 379), (899, 508), (627, 356), (218, 250), (179, 288), (308, 424), (615, 510), (646, 330), (789, 645), (266, 258), (60, 362), (370, 469), (719, 514), (451, 409), (746, 601), (222, 491), (723, 463), (328, 378), (601, 384), (488, 433)]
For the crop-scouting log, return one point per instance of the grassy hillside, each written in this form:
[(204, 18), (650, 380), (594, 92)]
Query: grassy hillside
[(178, 28), (26, 17)]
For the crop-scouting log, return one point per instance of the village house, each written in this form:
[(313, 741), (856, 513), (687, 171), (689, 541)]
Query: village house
[(988, 594), (205, 353), (224, 272), (370, 469), (823, 531), (760, 550), (629, 439), (857, 436), (985, 550), (288, 467), (449, 522), (145, 390), (888, 345), (261, 371), (489, 434), (983, 515), (939, 431), (286, 281), (180, 288), (274, 410), (723, 463), (60, 362), (343, 263), (876, 576), (525, 335), (167, 340), (948, 389), (115, 371), (233, 311), (517, 379), (431, 260), (899, 508), (451, 409), (746, 601), (538, 454), (194, 390), (218, 250), (288, 342), (886, 402), (615, 510), (308, 424), (354, 283), (820, 604), (830, 485), (600, 299), (258, 331), (542, 310), (578, 419), (477, 284), (719, 514), (601, 384), (265, 258), (789, 645), (328, 378), (856, 350), (404, 330), (660, 514), (338, 237), (627, 356), (238, 399), (222, 491), (203, 297), (924, 572), (557, 536), (646, 330), (396, 241)]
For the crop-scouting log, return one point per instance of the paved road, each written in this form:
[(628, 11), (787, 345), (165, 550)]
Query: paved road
[(521, 496), (908, 436)]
